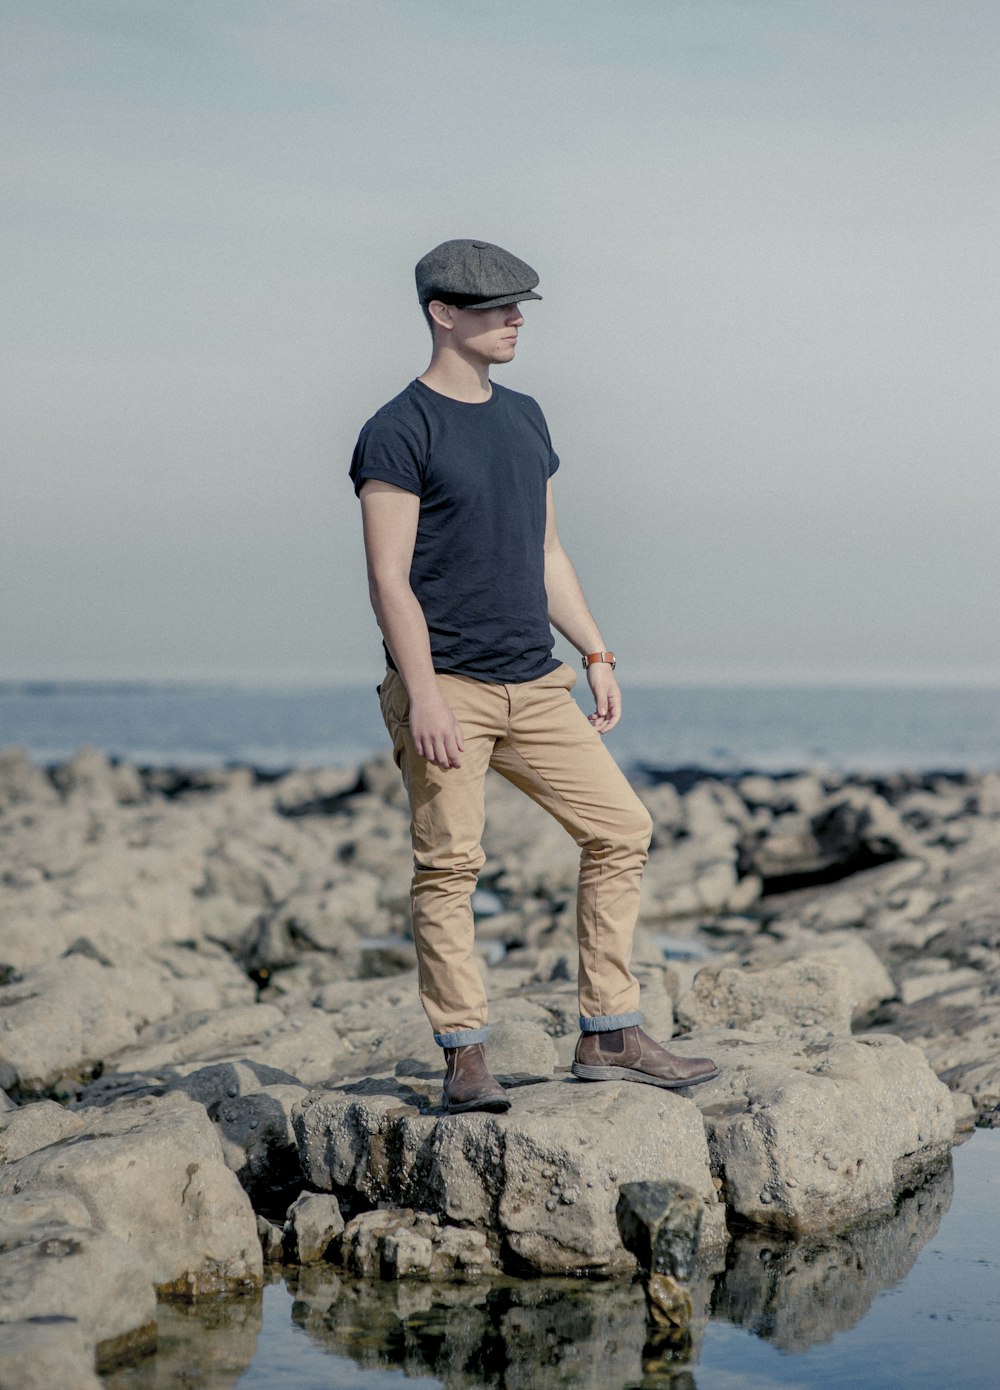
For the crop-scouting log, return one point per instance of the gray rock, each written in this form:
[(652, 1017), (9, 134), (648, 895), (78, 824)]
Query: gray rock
[(54, 1264), (50, 1351), (91, 777), (311, 1226), (812, 1136), (544, 1177), (32, 1127), (202, 1036), (660, 1223), (807, 993), (925, 982), (405, 1244), (272, 1240), (151, 1173), (258, 1144), (21, 783), (87, 1276), (309, 922), (63, 1018), (313, 791), (518, 1048)]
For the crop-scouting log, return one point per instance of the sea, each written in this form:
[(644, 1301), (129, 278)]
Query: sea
[(722, 728)]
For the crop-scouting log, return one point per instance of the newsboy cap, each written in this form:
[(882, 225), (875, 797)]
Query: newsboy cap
[(474, 275)]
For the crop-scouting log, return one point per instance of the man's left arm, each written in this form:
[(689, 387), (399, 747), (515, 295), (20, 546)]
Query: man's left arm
[(569, 614)]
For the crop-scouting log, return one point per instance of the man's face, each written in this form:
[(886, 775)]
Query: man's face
[(486, 335)]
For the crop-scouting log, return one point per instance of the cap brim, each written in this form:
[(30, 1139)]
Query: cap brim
[(504, 299)]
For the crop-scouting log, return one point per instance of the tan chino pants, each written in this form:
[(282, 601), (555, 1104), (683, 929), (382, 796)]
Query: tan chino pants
[(536, 736)]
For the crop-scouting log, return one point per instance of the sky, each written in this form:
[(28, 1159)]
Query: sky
[(766, 233)]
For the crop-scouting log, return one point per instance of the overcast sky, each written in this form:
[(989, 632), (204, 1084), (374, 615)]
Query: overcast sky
[(767, 236)]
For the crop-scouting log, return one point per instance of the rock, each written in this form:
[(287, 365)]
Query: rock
[(258, 1144), (205, 1035), (249, 873), (403, 1244), (57, 1271), (312, 1224), (668, 1302), (405, 1252), (856, 830), (518, 1049), (63, 1018), (937, 978), (250, 1105), (812, 1136), (46, 1351), (804, 793), (543, 1177), (21, 783), (821, 981), (806, 993), (32, 1127), (314, 791), (55, 1265), (660, 1223), (312, 922), (151, 1174), (272, 1240), (90, 776)]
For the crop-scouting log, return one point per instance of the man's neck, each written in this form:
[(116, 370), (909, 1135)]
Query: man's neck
[(455, 376)]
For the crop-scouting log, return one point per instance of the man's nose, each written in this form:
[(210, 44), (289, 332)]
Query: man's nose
[(514, 317)]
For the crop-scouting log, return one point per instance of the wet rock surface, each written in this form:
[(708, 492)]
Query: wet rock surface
[(208, 1005)]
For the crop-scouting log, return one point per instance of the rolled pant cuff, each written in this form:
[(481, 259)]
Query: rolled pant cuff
[(465, 1038), (608, 1023)]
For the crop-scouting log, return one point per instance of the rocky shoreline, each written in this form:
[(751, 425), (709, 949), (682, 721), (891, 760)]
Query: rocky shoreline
[(212, 1054)]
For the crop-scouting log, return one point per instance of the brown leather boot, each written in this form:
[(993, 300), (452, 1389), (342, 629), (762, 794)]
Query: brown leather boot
[(629, 1054), (468, 1084)]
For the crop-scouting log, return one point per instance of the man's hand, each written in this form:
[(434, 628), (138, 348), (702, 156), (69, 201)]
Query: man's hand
[(607, 696), (436, 733)]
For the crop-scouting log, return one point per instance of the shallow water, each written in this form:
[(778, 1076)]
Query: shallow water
[(912, 1301)]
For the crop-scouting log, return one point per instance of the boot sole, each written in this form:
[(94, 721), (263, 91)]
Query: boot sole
[(586, 1073), (497, 1104)]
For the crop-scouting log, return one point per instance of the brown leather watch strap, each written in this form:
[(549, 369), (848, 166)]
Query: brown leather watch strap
[(592, 659)]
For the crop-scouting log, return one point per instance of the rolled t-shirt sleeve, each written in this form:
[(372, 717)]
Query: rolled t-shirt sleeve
[(386, 450)]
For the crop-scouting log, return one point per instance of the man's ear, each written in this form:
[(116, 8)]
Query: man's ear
[(442, 314)]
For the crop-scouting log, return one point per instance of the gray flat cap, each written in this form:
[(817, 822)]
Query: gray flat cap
[(474, 275)]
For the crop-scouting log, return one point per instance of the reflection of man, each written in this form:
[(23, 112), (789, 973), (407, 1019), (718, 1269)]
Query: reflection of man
[(466, 572)]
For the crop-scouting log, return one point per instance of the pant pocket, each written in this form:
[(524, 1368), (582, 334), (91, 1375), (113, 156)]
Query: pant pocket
[(394, 703)]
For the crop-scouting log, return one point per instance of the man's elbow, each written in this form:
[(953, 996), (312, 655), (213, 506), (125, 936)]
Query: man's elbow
[(386, 589)]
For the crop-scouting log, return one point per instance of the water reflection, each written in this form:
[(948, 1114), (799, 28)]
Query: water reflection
[(202, 1346), (509, 1334), (795, 1294), (553, 1334)]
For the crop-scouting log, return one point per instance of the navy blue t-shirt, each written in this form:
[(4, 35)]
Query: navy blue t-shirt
[(478, 568)]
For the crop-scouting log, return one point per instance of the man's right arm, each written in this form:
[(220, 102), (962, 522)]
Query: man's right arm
[(390, 515)]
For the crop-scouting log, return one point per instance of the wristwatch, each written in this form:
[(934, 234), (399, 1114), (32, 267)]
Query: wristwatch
[(592, 659)]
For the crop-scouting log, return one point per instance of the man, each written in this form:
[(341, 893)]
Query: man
[(466, 574)]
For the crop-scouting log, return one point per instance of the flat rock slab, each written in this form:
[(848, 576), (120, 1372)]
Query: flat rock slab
[(543, 1178), (57, 1270), (813, 1135), (151, 1173)]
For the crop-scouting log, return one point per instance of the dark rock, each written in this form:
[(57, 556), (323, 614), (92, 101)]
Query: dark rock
[(660, 1224)]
